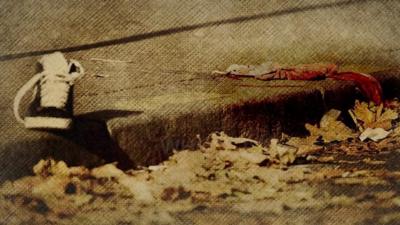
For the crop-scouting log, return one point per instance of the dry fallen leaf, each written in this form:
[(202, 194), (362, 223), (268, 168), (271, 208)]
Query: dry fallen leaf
[(107, 171), (343, 200), (375, 134), (221, 141), (50, 167), (285, 154), (372, 116), (305, 146), (363, 113), (330, 129), (53, 186), (396, 132), (140, 189)]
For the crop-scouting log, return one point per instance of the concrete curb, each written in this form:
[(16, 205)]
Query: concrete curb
[(254, 112)]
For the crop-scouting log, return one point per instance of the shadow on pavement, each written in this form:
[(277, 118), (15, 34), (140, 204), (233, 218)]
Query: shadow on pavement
[(87, 144), (105, 115), (19, 156), (90, 131), (174, 30)]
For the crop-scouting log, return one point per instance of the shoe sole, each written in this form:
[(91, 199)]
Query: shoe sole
[(48, 123)]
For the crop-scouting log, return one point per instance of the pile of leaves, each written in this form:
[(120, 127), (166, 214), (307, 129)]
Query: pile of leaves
[(374, 122), (378, 128), (223, 169), (223, 166)]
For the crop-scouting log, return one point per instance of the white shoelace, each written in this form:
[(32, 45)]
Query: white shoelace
[(55, 83)]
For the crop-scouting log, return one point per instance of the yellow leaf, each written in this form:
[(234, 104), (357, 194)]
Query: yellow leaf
[(363, 113), (388, 115), (330, 128), (371, 116)]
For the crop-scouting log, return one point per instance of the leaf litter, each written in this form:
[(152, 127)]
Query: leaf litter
[(223, 169)]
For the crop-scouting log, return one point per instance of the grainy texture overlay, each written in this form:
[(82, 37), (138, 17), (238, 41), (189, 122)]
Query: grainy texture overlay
[(148, 89)]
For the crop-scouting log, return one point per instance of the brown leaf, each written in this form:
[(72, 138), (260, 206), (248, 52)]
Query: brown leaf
[(107, 171), (175, 194), (50, 167), (371, 116), (305, 146), (330, 128), (285, 154)]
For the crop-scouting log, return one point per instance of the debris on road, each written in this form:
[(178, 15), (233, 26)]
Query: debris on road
[(284, 154), (375, 122), (230, 166), (270, 71), (287, 174), (330, 129), (248, 70), (50, 167), (374, 134), (107, 171), (224, 171), (369, 86), (220, 140), (379, 124), (98, 75), (372, 116), (305, 146)]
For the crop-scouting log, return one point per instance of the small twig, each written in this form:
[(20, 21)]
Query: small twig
[(101, 75), (218, 72), (110, 60), (360, 128), (379, 111), (231, 74)]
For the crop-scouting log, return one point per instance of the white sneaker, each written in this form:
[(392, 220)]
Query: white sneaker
[(52, 103)]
